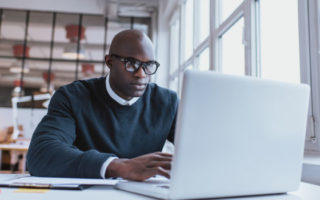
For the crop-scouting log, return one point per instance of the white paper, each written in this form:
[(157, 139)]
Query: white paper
[(63, 181)]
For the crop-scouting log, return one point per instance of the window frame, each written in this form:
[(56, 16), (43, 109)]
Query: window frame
[(309, 14), (309, 48)]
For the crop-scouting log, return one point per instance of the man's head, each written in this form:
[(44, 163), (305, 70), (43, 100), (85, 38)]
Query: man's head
[(126, 48)]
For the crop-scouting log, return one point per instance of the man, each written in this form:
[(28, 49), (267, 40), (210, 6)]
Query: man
[(112, 126)]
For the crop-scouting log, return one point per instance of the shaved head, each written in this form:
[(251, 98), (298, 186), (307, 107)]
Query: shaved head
[(132, 43)]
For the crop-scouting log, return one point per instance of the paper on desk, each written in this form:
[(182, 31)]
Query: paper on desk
[(63, 181)]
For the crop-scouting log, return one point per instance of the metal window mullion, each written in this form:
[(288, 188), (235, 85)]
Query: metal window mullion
[(181, 43), (313, 20), (306, 40), (214, 17), (51, 49), (24, 51), (250, 41), (230, 21), (203, 45), (196, 28), (106, 20), (78, 46), (1, 13), (186, 64), (220, 29)]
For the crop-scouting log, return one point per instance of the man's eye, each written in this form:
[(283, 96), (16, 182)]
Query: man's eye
[(132, 64)]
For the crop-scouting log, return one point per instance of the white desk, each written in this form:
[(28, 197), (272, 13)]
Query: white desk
[(306, 192)]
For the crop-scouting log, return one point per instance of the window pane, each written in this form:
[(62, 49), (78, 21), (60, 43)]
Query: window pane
[(173, 85), (39, 34), (12, 31), (174, 47), (204, 60), (203, 20), (94, 37), (233, 50), (188, 48), (280, 40), (13, 25), (61, 41), (228, 6)]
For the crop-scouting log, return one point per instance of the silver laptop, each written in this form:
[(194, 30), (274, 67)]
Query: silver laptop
[(235, 136)]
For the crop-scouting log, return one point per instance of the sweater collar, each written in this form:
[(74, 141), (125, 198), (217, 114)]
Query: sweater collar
[(116, 97)]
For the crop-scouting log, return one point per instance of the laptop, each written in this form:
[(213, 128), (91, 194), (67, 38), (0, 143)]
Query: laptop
[(235, 136)]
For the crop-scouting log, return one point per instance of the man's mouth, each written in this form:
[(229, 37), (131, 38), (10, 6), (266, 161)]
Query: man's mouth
[(139, 86)]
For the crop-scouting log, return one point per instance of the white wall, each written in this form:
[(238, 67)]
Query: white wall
[(27, 117)]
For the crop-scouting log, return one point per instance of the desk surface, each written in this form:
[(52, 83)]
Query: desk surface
[(305, 192), (19, 146)]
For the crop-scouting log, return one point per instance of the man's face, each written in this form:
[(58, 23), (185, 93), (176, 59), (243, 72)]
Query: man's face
[(128, 84)]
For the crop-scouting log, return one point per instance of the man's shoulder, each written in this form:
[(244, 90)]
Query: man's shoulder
[(83, 86), (154, 88), (160, 93)]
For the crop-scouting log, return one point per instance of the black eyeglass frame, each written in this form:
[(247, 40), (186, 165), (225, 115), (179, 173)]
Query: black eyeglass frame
[(134, 61)]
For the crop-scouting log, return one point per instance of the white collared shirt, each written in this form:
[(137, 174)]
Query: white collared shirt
[(123, 102), (116, 97)]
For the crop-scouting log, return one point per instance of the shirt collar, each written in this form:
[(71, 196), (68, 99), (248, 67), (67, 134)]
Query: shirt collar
[(116, 97)]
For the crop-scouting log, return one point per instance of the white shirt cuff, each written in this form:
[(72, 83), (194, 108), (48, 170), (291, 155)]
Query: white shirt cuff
[(105, 165)]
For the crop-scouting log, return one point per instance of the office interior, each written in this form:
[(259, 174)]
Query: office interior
[(45, 44)]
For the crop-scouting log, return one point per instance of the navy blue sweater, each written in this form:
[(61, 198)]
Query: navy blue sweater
[(84, 126)]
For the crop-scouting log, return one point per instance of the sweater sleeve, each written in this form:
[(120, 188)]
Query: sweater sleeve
[(52, 153)]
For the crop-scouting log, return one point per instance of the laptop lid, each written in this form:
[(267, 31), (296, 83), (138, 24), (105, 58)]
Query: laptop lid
[(238, 136)]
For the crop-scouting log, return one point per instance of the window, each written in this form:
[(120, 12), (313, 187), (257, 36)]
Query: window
[(264, 38), (50, 41), (233, 50), (204, 60), (228, 6), (309, 24), (174, 46), (188, 29), (202, 25), (279, 42)]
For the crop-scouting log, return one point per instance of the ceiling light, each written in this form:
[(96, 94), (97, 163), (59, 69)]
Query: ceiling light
[(75, 34), (71, 51), (16, 67)]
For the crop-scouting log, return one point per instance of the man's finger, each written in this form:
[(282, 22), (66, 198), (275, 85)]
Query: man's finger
[(160, 157), (164, 164), (164, 154), (163, 172)]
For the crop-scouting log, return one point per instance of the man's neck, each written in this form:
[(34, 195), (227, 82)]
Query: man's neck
[(118, 98)]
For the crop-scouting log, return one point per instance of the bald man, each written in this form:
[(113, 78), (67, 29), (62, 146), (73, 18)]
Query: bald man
[(113, 126)]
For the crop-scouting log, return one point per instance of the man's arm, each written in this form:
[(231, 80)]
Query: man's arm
[(51, 152)]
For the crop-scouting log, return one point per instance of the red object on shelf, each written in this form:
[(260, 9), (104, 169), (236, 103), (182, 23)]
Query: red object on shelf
[(45, 76), (18, 50), (17, 83), (87, 68), (73, 30)]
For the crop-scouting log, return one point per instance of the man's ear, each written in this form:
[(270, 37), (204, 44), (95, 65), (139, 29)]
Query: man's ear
[(108, 61)]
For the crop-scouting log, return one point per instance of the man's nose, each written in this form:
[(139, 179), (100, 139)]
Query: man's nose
[(140, 73)]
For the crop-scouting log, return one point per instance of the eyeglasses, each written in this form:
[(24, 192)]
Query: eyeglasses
[(132, 64)]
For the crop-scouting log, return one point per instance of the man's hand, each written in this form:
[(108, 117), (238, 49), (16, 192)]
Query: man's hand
[(142, 167)]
